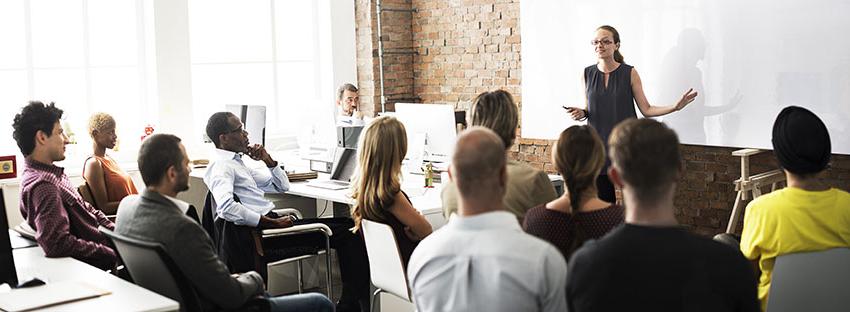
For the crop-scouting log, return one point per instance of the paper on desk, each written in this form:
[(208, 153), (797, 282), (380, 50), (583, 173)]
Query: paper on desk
[(25, 230), (54, 293)]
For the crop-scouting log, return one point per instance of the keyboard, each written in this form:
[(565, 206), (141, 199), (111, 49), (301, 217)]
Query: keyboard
[(330, 184)]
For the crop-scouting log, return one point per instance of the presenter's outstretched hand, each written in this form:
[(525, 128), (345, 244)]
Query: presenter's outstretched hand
[(686, 99)]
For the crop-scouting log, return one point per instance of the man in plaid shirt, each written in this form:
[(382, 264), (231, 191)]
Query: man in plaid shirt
[(65, 224)]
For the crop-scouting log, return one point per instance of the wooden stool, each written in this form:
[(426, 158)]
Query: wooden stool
[(748, 185)]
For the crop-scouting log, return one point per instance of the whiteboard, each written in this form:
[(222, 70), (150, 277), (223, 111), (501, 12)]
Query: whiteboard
[(747, 59)]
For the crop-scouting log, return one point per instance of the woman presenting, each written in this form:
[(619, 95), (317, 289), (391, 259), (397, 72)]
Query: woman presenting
[(611, 89)]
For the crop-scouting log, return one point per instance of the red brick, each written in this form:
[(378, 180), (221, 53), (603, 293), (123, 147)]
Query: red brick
[(470, 46)]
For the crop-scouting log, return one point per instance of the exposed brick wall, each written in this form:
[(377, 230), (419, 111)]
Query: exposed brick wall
[(367, 63), (397, 38), (469, 46), (398, 46), (465, 48)]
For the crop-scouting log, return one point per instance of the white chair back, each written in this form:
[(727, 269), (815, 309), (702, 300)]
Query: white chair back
[(385, 266), (811, 281)]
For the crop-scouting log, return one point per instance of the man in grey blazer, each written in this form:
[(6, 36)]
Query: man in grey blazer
[(156, 215)]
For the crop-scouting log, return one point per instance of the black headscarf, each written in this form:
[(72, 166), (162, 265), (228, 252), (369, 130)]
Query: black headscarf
[(801, 141)]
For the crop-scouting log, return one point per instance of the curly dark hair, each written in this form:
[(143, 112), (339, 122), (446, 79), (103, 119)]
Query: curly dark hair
[(34, 117)]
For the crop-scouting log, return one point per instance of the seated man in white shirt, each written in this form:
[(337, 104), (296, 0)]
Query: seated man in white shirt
[(482, 260), (239, 196)]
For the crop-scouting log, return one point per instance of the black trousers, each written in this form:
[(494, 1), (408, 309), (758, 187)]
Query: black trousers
[(350, 250)]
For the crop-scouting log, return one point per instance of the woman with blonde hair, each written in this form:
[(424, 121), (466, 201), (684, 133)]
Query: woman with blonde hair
[(579, 214), (107, 182), (377, 185)]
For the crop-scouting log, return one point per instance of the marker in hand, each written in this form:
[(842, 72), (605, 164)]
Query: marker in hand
[(576, 113)]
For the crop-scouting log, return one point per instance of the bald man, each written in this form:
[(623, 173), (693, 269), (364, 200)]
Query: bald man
[(482, 260)]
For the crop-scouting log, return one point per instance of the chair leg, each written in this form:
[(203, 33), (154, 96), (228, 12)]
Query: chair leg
[(300, 278), (372, 300), (328, 266)]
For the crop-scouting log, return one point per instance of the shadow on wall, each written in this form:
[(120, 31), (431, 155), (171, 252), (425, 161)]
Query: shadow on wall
[(679, 71)]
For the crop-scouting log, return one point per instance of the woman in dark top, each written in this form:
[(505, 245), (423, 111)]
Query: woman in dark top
[(579, 214), (611, 90), (377, 186)]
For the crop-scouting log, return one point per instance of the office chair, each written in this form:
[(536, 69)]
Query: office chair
[(385, 265), (810, 281), (86, 194), (230, 240), (152, 268), (731, 240)]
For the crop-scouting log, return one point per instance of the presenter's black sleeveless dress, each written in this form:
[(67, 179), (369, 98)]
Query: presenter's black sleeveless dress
[(608, 106)]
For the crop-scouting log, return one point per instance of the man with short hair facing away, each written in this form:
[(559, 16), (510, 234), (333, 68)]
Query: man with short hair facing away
[(651, 263), (806, 216), (157, 215), (348, 106), (482, 260), (65, 224)]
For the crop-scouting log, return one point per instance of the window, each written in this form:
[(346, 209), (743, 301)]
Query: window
[(264, 52), (86, 56), (90, 56)]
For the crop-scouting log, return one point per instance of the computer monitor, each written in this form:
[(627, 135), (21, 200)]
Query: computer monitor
[(7, 261), (254, 120), (347, 136), (345, 162), (433, 122)]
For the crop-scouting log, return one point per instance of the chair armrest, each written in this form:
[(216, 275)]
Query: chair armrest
[(298, 229), (287, 212)]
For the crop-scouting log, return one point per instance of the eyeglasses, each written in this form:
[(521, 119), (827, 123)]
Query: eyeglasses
[(604, 42), (237, 130)]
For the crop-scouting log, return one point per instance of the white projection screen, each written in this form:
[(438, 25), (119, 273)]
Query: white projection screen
[(747, 59)]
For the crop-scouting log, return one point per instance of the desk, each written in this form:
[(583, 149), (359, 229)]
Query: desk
[(19, 241), (31, 262), (426, 200)]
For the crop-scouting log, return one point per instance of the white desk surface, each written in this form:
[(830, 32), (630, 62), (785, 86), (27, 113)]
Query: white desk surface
[(31, 262), (426, 200)]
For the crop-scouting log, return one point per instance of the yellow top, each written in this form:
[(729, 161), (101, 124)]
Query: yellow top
[(793, 220)]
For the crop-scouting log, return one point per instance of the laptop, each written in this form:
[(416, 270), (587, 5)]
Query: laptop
[(343, 168), (7, 262)]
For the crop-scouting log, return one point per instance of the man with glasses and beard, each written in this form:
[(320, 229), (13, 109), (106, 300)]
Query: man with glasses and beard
[(239, 193)]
